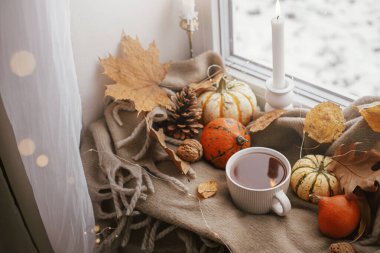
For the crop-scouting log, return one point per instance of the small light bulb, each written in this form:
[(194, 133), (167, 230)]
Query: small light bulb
[(116, 236), (97, 240)]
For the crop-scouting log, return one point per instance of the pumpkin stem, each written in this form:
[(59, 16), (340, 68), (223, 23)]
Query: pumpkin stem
[(240, 140), (314, 198), (222, 84), (321, 165)]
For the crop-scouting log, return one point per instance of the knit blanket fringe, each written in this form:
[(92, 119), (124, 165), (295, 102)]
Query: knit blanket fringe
[(119, 176)]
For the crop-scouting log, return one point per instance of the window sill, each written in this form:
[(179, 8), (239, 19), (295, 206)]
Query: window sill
[(307, 94)]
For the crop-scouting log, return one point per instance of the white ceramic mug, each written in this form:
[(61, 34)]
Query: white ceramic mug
[(260, 201)]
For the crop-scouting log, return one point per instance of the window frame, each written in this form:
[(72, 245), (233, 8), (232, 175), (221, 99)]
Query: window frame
[(307, 94)]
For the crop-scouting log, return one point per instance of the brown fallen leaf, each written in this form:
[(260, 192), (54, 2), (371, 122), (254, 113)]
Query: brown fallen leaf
[(208, 189), (371, 114), (137, 74), (265, 120), (365, 216), (325, 122), (178, 162), (210, 83), (356, 168)]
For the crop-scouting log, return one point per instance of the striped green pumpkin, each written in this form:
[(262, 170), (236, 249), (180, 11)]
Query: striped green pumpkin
[(309, 176)]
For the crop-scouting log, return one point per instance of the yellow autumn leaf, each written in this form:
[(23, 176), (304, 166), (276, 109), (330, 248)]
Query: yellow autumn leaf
[(371, 114), (325, 122), (137, 73), (208, 189)]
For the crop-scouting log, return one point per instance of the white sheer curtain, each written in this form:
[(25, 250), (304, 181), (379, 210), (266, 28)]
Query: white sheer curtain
[(39, 89)]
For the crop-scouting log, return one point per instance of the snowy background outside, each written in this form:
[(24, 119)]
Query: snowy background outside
[(332, 43)]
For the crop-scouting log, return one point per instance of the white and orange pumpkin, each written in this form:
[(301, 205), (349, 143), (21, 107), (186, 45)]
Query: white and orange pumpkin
[(231, 99), (309, 176)]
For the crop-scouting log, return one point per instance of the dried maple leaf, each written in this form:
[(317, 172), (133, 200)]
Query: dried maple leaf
[(356, 168), (137, 74), (208, 84), (265, 120), (178, 162), (325, 122), (371, 113), (208, 189)]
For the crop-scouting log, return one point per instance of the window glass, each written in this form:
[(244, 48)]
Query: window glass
[(333, 44)]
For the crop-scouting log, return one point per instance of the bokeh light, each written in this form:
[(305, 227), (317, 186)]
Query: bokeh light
[(23, 63), (26, 147), (42, 160)]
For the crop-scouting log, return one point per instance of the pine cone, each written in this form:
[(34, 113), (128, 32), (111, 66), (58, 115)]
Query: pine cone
[(183, 117)]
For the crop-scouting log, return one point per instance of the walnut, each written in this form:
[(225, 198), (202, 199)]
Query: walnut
[(341, 247), (190, 150)]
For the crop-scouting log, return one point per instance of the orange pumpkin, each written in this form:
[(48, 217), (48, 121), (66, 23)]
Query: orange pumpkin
[(221, 138), (338, 216)]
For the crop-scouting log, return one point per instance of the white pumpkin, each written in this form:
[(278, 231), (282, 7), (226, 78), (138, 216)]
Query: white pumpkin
[(231, 99)]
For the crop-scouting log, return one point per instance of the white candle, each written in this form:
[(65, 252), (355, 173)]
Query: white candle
[(188, 9), (278, 49)]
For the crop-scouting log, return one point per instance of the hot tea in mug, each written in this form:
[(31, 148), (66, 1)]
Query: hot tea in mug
[(257, 179), (258, 171)]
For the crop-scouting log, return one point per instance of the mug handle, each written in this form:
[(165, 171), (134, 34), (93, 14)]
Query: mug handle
[(280, 203)]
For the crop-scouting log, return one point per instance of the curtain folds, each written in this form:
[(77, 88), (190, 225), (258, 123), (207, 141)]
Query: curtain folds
[(39, 89)]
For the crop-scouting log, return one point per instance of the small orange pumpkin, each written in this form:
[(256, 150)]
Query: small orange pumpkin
[(338, 216), (221, 138)]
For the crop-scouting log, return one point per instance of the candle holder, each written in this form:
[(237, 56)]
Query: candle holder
[(279, 98), (190, 26)]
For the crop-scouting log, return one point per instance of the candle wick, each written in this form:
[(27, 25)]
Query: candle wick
[(278, 17)]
